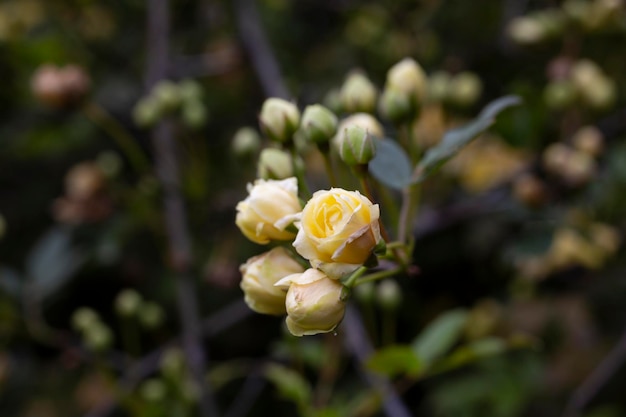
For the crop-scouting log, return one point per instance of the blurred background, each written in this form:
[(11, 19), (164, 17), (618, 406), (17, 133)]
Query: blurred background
[(521, 232)]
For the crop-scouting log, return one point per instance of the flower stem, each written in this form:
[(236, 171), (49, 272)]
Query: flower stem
[(351, 279), (379, 275)]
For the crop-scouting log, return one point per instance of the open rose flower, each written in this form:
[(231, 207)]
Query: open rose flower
[(260, 273), (338, 230), (270, 207), (313, 302)]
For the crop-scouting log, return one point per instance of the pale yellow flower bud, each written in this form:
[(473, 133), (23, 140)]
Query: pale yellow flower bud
[(274, 164), (319, 124), (269, 208), (313, 302), (259, 276), (396, 106), (279, 119), (356, 146), (246, 141), (589, 140), (408, 77), (364, 120), (128, 302), (389, 295), (358, 94), (338, 231), (526, 30), (465, 89)]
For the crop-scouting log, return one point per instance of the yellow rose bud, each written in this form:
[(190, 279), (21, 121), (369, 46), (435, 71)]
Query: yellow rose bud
[(269, 208), (356, 146), (465, 89), (313, 302), (358, 94), (279, 119), (338, 231), (408, 77), (260, 273), (364, 120)]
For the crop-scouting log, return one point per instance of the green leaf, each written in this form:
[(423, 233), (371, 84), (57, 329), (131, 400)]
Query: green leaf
[(391, 165), (454, 140), (474, 351), (52, 262), (439, 336), (290, 384), (395, 360)]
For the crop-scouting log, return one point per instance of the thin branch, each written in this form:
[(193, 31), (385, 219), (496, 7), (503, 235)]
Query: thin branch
[(358, 343), (165, 154), (259, 49), (590, 387)]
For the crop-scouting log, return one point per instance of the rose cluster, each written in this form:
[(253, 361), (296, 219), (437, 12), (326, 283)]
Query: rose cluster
[(336, 232)]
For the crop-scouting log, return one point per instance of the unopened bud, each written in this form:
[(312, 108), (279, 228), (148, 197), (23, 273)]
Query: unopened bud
[(555, 157), (83, 318), (274, 164), (153, 390), (128, 302), (319, 124), (194, 114), (146, 112), (332, 100), (365, 293), (605, 237), (84, 180), (438, 86), (167, 95), (357, 146), (151, 315), (190, 90), (579, 169), (601, 94), (76, 82), (172, 363), (98, 337), (526, 30), (246, 141), (407, 77), (389, 295), (465, 89), (60, 87), (279, 119), (589, 140), (396, 106), (358, 94)]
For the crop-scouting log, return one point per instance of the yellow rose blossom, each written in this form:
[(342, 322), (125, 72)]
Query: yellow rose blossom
[(260, 273), (313, 302), (338, 231), (269, 208)]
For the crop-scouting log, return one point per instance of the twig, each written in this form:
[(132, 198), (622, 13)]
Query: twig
[(358, 343), (259, 49), (596, 380), (165, 154)]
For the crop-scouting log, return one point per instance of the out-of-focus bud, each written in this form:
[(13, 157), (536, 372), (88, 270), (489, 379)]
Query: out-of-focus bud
[(529, 190), (332, 100), (605, 237), (60, 87), (465, 89), (246, 142), (356, 146), (438, 86), (167, 95), (146, 112), (601, 94), (365, 293), (526, 30), (408, 78), (98, 337), (153, 390), (358, 94), (190, 90), (319, 124), (576, 10), (555, 157), (388, 295), (172, 363), (313, 302), (560, 94), (396, 106), (151, 315), (84, 181), (128, 302), (194, 114), (589, 140), (83, 318), (364, 120), (569, 249), (279, 119), (585, 72), (274, 164), (579, 169), (259, 276)]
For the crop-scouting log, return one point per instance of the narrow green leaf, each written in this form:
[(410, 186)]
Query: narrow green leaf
[(439, 336), (454, 140), (395, 360), (474, 351), (290, 384), (391, 165)]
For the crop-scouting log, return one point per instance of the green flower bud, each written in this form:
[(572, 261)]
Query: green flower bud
[(98, 337), (465, 89), (319, 124), (526, 30), (279, 119), (194, 114), (246, 141), (127, 303), (172, 363), (332, 100), (601, 94), (560, 94), (396, 106), (153, 390), (389, 295), (365, 293), (151, 315), (167, 95), (358, 94), (357, 146), (83, 318), (274, 164), (438, 86), (190, 90), (146, 112), (408, 77)]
